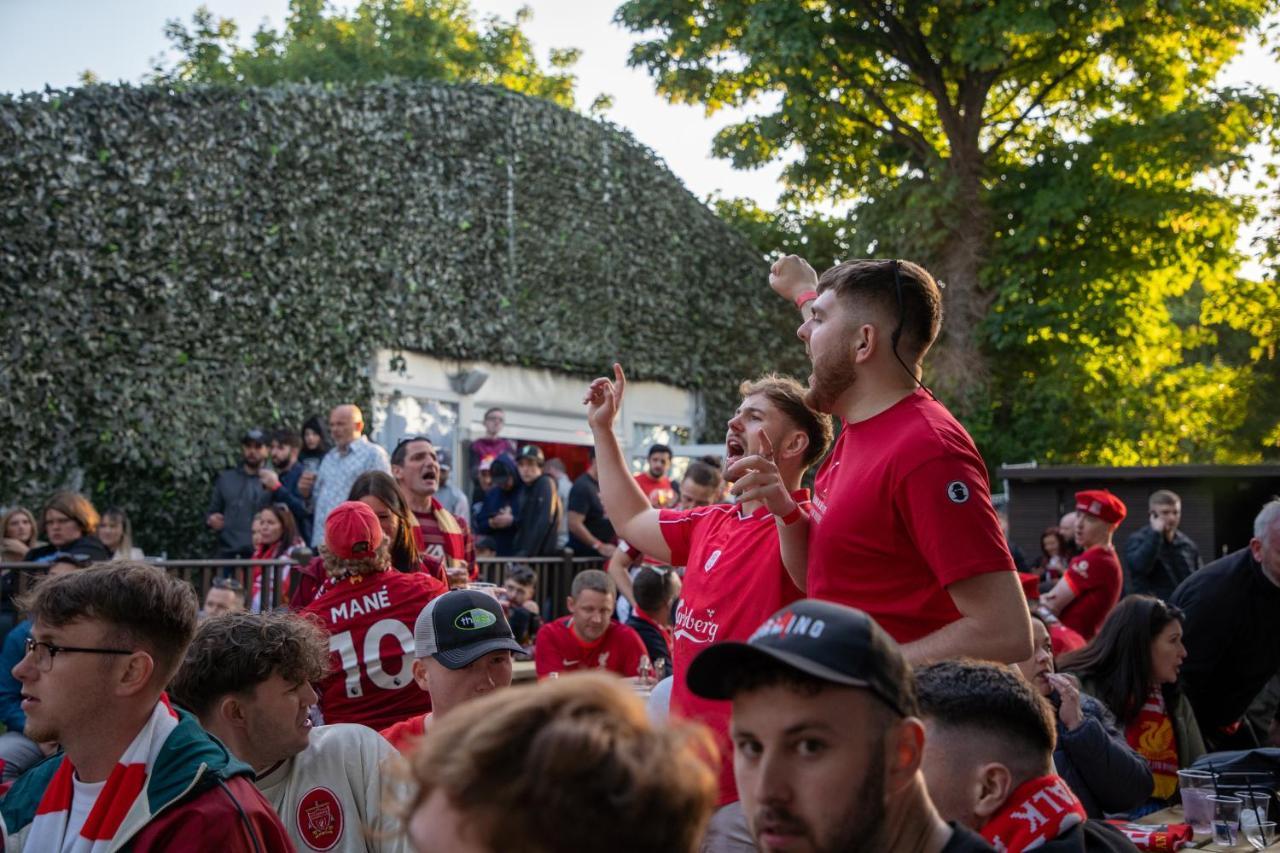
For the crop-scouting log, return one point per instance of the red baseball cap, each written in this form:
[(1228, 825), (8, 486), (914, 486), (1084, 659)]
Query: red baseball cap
[(1101, 503), (352, 531)]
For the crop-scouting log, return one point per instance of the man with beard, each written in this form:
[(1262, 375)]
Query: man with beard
[(238, 494), (441, 534), (653, 481), (247, 677), (988, 762), (735, 574), (902, 524), (827, 744), (283, 481)]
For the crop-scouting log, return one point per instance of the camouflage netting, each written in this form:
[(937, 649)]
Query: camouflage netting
[(176, 265)]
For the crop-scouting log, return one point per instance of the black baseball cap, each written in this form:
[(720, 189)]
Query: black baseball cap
[(460, 626), (828, 641), (253, 436), (531, 451)]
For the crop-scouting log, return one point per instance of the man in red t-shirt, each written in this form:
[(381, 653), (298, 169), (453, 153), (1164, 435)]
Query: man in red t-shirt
[(441, 535), (734, 573), (654, 482), (902, 525), (588, 638), (1091, 586), (369, 610)]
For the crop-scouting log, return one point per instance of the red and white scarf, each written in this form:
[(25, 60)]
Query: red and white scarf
[(1151, 734), (1037, 812), (127, 781)]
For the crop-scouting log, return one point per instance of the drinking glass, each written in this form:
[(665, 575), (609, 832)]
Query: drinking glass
[(1253, 808)]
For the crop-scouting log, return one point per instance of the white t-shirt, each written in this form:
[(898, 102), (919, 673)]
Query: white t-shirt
[(83, 796), (329, 796)]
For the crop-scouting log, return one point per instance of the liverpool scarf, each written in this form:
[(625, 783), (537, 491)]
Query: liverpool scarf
[(1037, 812), (1151, 734), (440, 537), (123, 787)]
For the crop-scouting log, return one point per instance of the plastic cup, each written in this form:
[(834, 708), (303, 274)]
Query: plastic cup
[(1253, 806), (1261, 834), (1196, 787), (1226, 820)]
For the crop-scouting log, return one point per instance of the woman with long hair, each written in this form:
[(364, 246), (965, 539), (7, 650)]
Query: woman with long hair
[(1091, 753), (1132, 667), (275, 536), (19, 533), (382, 494), (315, 443), (116, 532)]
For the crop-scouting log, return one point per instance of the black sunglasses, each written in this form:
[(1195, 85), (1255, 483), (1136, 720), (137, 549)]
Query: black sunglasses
[(408, 438)]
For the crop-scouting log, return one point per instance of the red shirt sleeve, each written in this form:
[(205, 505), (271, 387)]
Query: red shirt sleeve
[(946, 506), (1080, 581), (546, 650), (677, 528)]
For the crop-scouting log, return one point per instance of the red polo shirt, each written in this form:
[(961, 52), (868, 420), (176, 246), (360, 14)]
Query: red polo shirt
[(1095, 577)]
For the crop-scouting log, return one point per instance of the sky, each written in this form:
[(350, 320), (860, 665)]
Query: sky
[(50, 42)]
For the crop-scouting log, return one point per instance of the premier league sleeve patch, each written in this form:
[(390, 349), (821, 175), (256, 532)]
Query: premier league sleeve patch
[(319, 819), (957, 491)]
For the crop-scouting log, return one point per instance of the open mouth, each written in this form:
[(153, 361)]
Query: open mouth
[(734, 449)]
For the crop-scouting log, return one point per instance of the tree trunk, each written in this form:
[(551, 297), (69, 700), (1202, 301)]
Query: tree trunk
[(956, 366)]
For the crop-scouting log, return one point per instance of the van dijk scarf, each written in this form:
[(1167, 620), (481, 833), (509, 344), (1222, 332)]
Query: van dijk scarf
[(1037, 812), (1151, 734), (127, 781)]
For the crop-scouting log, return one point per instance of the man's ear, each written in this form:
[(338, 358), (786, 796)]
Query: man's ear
[(795, 444), (905, 747), (136, 675), (421, 675), (866, 341), (230, 712), (995, 784)]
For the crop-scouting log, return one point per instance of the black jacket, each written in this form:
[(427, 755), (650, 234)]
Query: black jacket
[(1155, 566), (539, 522), (1232, 637), (1098, 764), (238, 495)]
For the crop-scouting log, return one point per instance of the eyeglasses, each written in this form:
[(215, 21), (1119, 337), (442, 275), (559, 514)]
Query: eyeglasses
[(42, 654)]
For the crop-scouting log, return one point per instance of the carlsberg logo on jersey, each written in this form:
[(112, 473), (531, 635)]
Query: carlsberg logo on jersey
[(474, 619), (689, 626)]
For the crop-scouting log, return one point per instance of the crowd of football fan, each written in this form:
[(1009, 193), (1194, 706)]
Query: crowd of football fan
[(870, 667)]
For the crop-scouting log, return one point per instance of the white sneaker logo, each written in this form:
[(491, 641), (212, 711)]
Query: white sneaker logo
[(569, 662)]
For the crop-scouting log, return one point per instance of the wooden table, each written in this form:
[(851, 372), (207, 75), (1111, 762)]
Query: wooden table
[(1173, 814)]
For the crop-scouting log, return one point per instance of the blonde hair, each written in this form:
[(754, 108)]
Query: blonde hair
[(337, 567), (788, 396), (31, 517), (570, 764)]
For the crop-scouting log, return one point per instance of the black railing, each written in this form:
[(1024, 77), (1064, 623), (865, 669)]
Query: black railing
[(554, 575)]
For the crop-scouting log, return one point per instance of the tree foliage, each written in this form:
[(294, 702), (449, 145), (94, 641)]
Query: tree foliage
[(376, 39), (180, 264), (1061, 166)]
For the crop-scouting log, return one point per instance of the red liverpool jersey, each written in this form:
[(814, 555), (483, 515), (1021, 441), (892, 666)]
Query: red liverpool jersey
[(1096, 579), (558, 649), (370, 622), (733, 581)]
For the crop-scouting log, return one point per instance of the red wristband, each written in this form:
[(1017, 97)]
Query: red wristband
[(807, 296), (792, 517)]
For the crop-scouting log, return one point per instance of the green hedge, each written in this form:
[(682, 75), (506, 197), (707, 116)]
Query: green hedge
[(178, 264)]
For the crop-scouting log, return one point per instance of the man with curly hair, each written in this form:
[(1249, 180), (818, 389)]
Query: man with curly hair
[(247, 677)]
